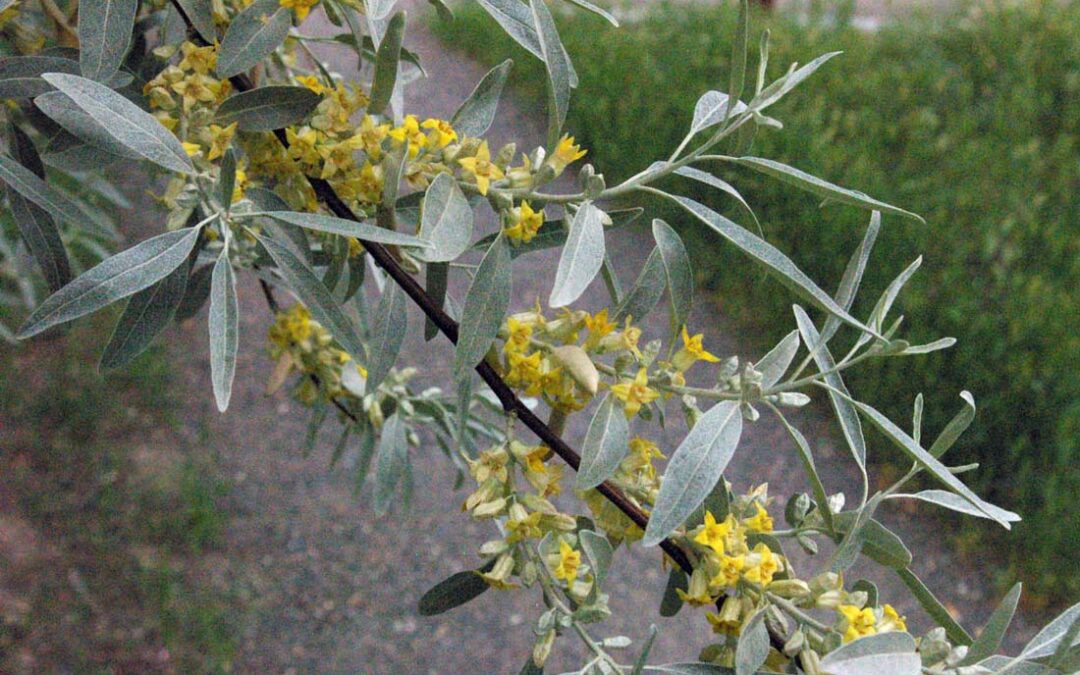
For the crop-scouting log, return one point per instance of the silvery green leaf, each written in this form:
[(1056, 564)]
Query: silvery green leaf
[(807, 457), (69, 153), (581, 257), (268, 108), (599, 11), (927, 461), (691, 668), (347, 228), (475, 115), (885, 302), (557, 63), (29, 185), (253, 34), (643, 657), (388, 330), (894, 642), (738, 58), (709, 179), (104, 36), (446, 221), (1046, 642), (956, 503), (934, 608), (124, 121), (853, 527), (853, 274), (773, 365), (1004, 665), (516, 19), (379, 9), (956, 426), (845, 413), (60, 108), (386, 64), (753, 646), (224, 330), (202, 18), (711, 109), (147, 313), (993, 632), (929, 348), (268, 200), (694, 469), (20, 76), (454, 591), (781, 86), (226, 183), (889, 663), (436, 279), (115, 278), (605, 445), (599, 552), (311, 291), (671, 603), (879, 543), (390, 464), (196, 293), (821, 188), (677, 269), (485, 306), (772, 258), (646, 291)]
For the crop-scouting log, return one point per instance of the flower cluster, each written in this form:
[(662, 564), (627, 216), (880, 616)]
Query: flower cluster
[(638, 480), (300, 345)]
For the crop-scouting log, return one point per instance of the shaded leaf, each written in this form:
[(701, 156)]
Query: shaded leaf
[(253, 35), (646, 291), (268, 108), (558, 67), (104, 36), (485, 306), (388, 331), (773, 365), (677, 268), (202, 18), (878, 542), (30, 185), (454, 591), (196, 293), (147, 313), (436, 280), (934, 608), (390, 463), (446, 221), (671, 603), (475, 115), (386, 65), (993, 632)]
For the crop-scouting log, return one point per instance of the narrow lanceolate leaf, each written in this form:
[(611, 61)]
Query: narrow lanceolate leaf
[(753, 646), (846, 415), (1048, 640), (60, 108), (646, 291), (718, 183), (599, 552), (821, 188), (226, 183), (907, 663), (956, 426), (810, 468), (771, 257), (853, 274), (436, 281), (379, 9), (454, 591), (202, 18), (128, 124), (485, 305), (104, 36), (694, 469), (388, 329), (268, 108), (558, 69), (224, 330), (893, 642), (30, 185), (311, 291), (20, 76), (476, 114), (994, 631), (346, 228), (738, 57), (516, 19), (605, 445), (934, 608), (581, 257), (677, 269), (777, 89), (446, 221), (643, 657), (927, 461), (391, 463), (147, 313), (956, 503), (712, 109), (252, 36), (773, 365), (386, 65)]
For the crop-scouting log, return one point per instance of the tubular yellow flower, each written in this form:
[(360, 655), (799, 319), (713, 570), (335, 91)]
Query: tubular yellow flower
[(441, 134), (311, 82), (566, 152), (890, 620), (569, 560), (220, 139), (761, 521), (855, 622), (524, 372), (201, 60), (598, 326), (697, 592), (692, 352), (518, 335), (524, 223), (409, 132), (481, 168), (713, 533), (634, 393), (763, 565), (300, 7), (731, 568)]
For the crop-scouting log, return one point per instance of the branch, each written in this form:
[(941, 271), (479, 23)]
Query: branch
[(511, 404)]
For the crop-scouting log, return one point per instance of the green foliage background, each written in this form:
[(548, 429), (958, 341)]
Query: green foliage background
[(971, 121)]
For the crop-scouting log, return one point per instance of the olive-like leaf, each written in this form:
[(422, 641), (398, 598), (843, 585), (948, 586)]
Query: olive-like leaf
[(937, 611), (30, 185), (20, 76), (907, 663), (646, 291), (993, 632), (853, 274), (224, 330), (782, 85), (128, 124), (694, 469), (253, 35), (454, 591), (516, 19), (557, 63), (147, 313), (599, 552), (386, 65), (196, 293), (60, 108), (738, 58), (605, 445), (436, 282), (671, 603), (957, 503), (201, 16), (773, 365), (388, 331), (1047, 641), (347, 228), (485, 306), (105, 28), (753, 646), (268, 108), (112, 279), (680, 275), (475, 115), (390, 465), (446, 221), (712, 109), (581, 257), (956, 426), (893, 642)]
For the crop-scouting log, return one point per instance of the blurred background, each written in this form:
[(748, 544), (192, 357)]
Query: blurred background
[(141, 531)]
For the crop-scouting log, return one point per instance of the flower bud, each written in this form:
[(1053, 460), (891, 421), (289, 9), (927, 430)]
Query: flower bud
[(792, 589), (795, 643), (810, 662), (505, 155), (490, 509)]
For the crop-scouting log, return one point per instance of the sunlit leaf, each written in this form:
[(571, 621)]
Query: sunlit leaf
[(268, 108), (224, 330), (581, 257), (485, 306), (605, 445)]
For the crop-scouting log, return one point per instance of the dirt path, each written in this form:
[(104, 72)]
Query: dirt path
[(327, 587)]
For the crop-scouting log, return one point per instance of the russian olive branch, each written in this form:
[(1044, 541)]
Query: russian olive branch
[(510, 402)]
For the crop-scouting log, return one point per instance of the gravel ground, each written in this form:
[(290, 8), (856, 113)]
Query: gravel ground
[(328, 587)]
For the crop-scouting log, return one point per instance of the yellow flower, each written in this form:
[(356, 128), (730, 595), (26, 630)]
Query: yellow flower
[(481, 168), (409, 132), (731, 567), (890, 620), (569, 560), (761, 521), (338, 157), (192, 149), (634, 393), (727, 621), (713, 533), (566, 152), (524, 372), (525, 223), (763, 564), (697, 592), (521, 524), (372, 136), (490, 463), (302, 146), (692, 352), (598, 326), (201, 60), (518, 335), (301, 7), (855, 622), (240, 185), (220, 140), (520, 176), (441, 134), (311, 82), (497, 577)]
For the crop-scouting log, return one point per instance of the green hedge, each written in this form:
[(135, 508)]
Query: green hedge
[(972, 122)]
